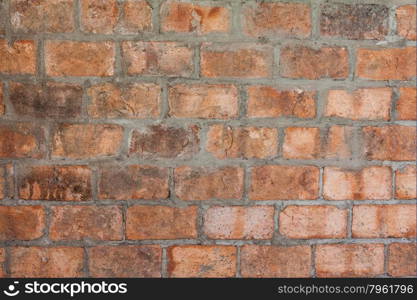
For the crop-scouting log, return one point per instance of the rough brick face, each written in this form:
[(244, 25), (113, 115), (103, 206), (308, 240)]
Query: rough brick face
[(6, 181), (2, 259), (406, 104), (18, 57), (301, 143), (21, 222), (137, 16), (406, 21), (99, 16), (2, 106), (402, 259), (405, 182), (21, 140)]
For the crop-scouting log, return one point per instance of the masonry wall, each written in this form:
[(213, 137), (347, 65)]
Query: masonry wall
[(207, 138)]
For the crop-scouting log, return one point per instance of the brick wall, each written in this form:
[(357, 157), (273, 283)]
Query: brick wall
[(207, 138)]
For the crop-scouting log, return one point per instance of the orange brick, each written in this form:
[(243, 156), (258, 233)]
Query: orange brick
[(338, 142), (351, 260), (369, 183), (239, 222), (202, 261), (370, 104), (22, 140), (214, 101), (205, 183), (269, 102), (71, 58), (384, 221), (402, 259), (277, 19), (2, 260), (406, 104), (242, 142), (405, 182), (386, 64), (284, 183), (161, 222), (6, 181), (18, 58), (301, 143), (275, 261), (406, 21), (46, 262), (189, 17), (99, 16), (2, 106), (21, 222), (313, 222), (137, 16)]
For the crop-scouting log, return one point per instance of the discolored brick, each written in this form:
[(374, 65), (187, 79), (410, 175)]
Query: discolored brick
[(21, 222), (137, 17), (21, 140), (402, 259), (99, 16), (2, 260), (18, 57), (407, 103), (405, 182), (6, 181), (338, 142), (2, 106), (301, 143), (2, 25), (406, 21)]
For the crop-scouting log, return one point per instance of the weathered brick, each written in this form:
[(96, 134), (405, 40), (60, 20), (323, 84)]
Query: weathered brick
[(313, 222), (86, 223), (2, 260), (368, 183), (242, 142), (338, 142), (384, 221), (354, 21), (277, 19), (137, 17), (18, 58), (46, 262), (205, 101), (406, 104), (402, 259), (370, 104), (386, 64), (87, 140), (6, 181), (239, 222), (405, 182), (137, 100), (394, 142), (161, 222), (301, 142), (50, 16), (48, 100), (2, 19), (273, 182), (56, 183), (351, 260), (269, 102), (99, 16), (21, 222), (275, 261), (72, 58), (160, 141), (236, 61), (133, 182), (406, 21), (311, 63), (125, 261), (190, 17), (157, 58), (2, 106), (205, 183), (202, 261), (21, 140)]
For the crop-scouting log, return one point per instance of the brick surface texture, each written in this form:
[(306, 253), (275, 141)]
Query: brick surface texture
[(222, 138)]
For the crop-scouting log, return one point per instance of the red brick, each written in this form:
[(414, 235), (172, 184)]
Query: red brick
[(157, 58), (137, 17), (86, 223), (21, 140), (21, 222), (356, 22), (351, 260), (133, 182), (384, 221), (406, 104), (49, 262), (56, 183), (275, 182), (72, 58), (205, 183), (2, 260), (50, 16), (277, 19), (393, 142), (370, 104), (275, 261), (189, 17), (136, 101), (99, 16), (6, 181), (368, 183), (236, 61), (406, 21), (301, 143), (205, 101), (242, 142), (338, 142), (405, 182), (239, 222), (386, 64), (87, 140), (311, 63), (313, 222), (402, 259), (161, 141), (125, 261), (48, 100), (161, 222), (269, 102), (202, 261), (18, 58)]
